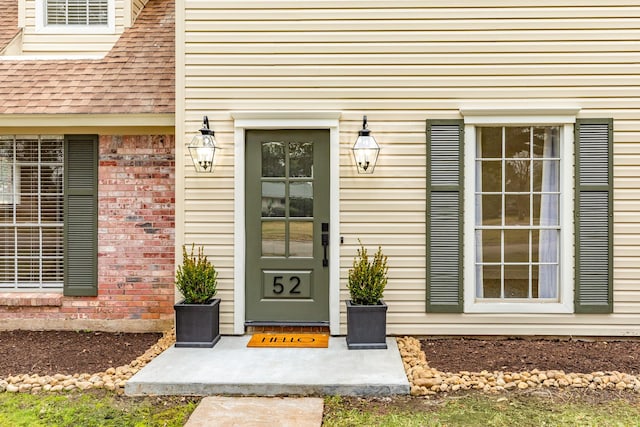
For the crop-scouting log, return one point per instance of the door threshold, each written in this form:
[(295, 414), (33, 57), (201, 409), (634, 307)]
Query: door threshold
[(286, 327)]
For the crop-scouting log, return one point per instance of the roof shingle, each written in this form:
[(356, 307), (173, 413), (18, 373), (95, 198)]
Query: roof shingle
[(137, 76)]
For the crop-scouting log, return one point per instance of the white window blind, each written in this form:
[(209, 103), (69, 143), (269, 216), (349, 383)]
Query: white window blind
[(77, 12)]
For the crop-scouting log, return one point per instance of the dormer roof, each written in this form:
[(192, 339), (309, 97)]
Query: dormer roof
[(136, 77)]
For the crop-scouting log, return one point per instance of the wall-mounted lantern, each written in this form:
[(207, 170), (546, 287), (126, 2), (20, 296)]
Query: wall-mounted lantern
[(203, 148), (365, 150)]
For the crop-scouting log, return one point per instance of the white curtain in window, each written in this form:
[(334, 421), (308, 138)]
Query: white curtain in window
[(548, 245)]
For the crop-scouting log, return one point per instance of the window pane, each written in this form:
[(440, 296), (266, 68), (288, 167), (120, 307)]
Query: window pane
[(491, 176), (52, 246), (534, 281), (27, 150), (98, 12), (548, 281), (517, 142), (28, 272), (517, 175), (516, 281), (51, 179), (546, 142), (273, 199), (301, 199), (490, 245), (517, 209), (51, 147), (545, 245), (301, 238), (27, 210), (301, 159), (7, 272), (546, 209), (516, 245), (546, 175), (491, 279), (51, 209), (52, 272), (273, 235), (273, 159), (489, 143), (491, 208)]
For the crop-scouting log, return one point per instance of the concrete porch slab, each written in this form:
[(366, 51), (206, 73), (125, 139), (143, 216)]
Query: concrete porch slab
[(234, 369)]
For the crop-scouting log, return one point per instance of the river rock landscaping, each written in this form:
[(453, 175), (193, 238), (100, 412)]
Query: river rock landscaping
[(426, 380), (48, 365), (112, 378)]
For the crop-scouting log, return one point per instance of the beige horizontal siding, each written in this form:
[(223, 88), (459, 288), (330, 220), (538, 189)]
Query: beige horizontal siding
[(401, 63)]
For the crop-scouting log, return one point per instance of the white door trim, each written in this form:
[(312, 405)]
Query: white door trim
[(244, 120)]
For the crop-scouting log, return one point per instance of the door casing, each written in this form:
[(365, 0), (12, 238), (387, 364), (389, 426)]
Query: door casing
[(286, 120)]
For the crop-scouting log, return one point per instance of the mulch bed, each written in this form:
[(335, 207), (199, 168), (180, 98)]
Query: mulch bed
[(517, 355), (69, 352)]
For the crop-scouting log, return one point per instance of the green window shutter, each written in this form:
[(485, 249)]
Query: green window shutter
[(444, 216), (81, 215), (594, 216)]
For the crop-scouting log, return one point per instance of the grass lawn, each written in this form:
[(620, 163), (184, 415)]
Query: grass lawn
[(477, 409), (93, 408), (101, 408)]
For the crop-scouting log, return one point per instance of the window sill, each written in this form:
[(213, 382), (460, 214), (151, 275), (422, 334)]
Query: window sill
[(30, 299), (519, 308)]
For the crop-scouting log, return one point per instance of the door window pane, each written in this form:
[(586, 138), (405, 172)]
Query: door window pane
[(301, 238), (273, 238), (301, 159), (273, 159), (301, 199), (273, 199)]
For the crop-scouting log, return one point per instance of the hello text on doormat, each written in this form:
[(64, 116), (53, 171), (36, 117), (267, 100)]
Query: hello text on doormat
[(289, 340)]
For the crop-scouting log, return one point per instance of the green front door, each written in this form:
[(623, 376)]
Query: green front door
[(287, 226)]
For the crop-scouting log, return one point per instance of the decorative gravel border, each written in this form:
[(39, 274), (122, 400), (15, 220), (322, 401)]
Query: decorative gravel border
[(425, 380), (112, 379)]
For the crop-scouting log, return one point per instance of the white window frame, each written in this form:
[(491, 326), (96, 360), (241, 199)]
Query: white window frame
[(40, 285), (43, 28), (566, 124)]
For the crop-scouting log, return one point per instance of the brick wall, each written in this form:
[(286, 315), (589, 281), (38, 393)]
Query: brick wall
[(136, 247)]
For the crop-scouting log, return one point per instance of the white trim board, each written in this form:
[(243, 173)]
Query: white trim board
[(290, 120)]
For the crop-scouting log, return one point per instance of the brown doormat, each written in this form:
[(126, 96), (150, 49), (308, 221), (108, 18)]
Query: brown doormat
[(289, 340)]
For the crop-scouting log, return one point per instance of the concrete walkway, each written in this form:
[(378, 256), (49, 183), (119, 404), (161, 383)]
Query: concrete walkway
[(223, 411), (230, 368)]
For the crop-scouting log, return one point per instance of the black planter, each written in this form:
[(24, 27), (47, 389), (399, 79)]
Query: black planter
[(366, 326), (197, 325)]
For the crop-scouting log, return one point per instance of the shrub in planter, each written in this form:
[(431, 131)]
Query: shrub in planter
[(367, 311), (198, 314)]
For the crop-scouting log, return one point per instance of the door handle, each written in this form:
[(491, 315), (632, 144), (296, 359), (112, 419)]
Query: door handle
[(325, 243)]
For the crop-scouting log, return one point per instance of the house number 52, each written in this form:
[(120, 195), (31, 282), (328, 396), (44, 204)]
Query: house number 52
[(279, 287)]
